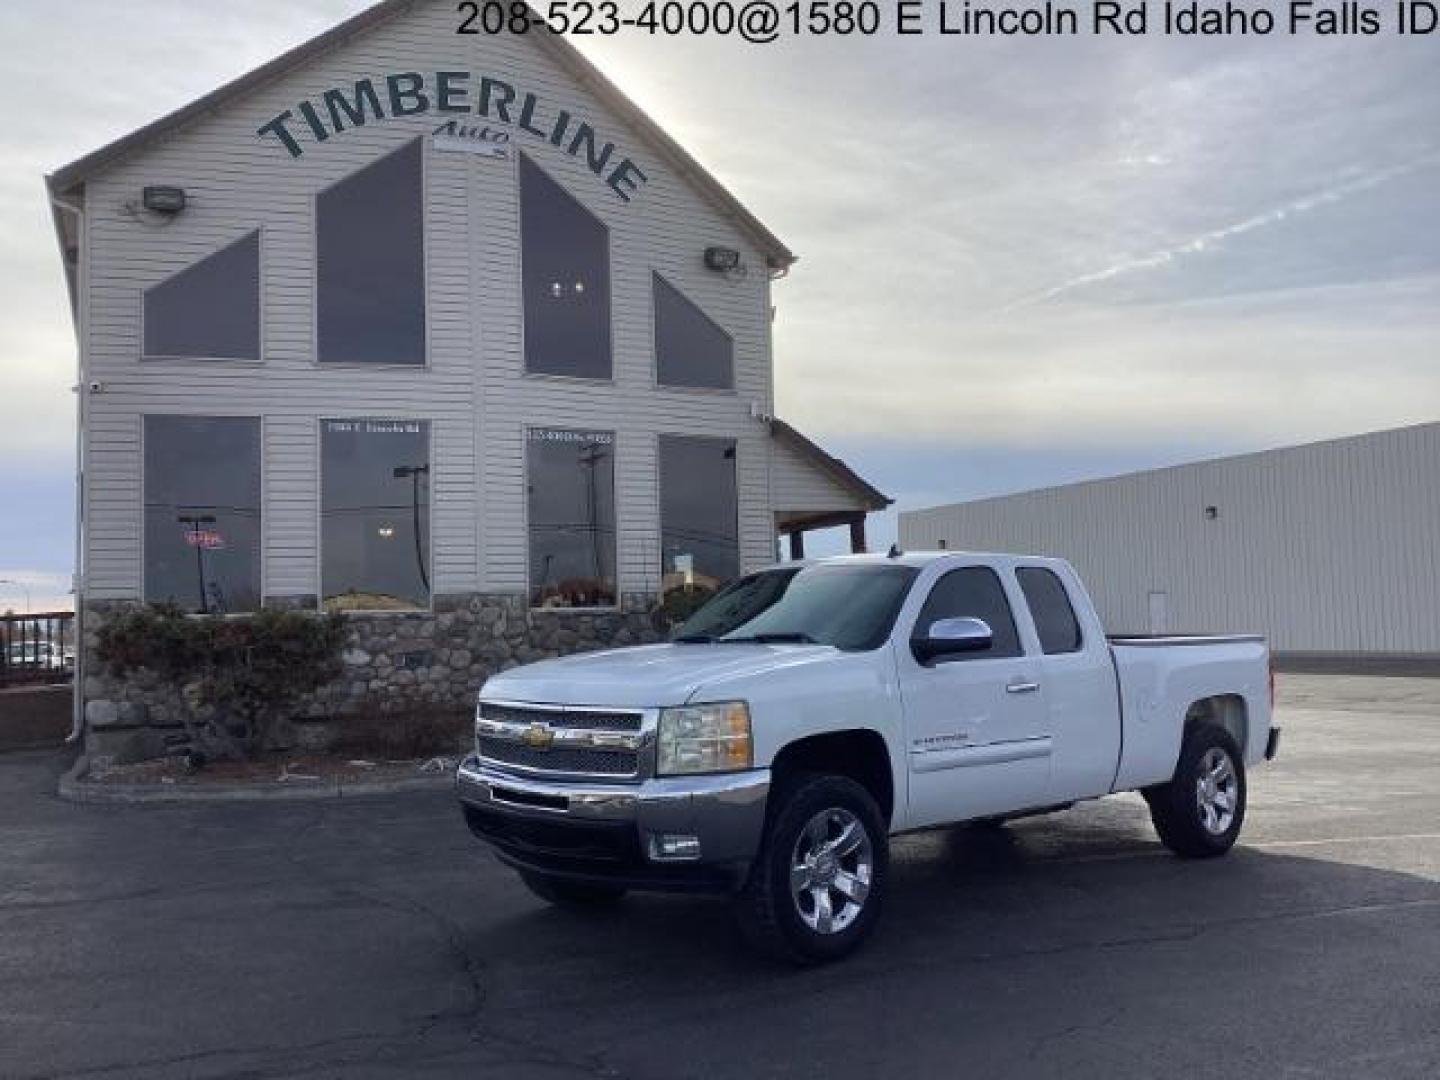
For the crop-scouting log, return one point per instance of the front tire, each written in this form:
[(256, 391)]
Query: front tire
[(573, 895), (1198, 814), (815, 889)]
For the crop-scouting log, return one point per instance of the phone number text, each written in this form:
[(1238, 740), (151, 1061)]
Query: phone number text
[(758, 21)]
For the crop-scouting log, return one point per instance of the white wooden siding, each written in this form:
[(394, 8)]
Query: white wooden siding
[(1332, 547), (800, 487), (474, 389)]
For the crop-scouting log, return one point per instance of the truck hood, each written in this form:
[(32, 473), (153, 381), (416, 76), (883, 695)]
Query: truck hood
[(645, 676)]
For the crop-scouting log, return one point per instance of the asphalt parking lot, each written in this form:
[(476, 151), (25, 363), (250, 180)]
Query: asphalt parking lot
[(374, 938)]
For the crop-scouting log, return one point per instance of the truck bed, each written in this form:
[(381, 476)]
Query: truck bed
[(1160, 674), (1142, 640)]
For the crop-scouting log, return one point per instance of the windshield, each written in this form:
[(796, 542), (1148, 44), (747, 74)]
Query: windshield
[(850, 607)]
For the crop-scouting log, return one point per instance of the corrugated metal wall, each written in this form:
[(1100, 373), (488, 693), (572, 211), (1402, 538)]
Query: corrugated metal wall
[(1332, 547)]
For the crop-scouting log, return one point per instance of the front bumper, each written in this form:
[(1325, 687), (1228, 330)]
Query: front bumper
[(599, 831)]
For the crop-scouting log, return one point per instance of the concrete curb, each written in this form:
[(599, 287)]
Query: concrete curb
[(75, 788)]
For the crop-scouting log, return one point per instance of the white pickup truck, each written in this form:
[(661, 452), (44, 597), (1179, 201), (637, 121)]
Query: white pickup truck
[(808, 713)]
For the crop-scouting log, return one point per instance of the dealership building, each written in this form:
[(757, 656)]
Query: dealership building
[(435, 329), (1332, 549)]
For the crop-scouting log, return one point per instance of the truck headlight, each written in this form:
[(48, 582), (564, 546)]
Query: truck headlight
[(704, 739)]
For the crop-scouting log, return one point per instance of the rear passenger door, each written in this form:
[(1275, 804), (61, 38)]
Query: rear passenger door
[(975, 723), (1081, 697)]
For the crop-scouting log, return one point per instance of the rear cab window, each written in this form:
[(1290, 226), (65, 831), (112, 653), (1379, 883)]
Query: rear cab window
[(1055, 621)]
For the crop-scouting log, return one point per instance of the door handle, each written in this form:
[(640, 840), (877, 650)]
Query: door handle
[(1022, 687)]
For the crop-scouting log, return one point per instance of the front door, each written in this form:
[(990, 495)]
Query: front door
[(977, 727)]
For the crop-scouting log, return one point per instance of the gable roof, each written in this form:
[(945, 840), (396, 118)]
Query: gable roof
[(872, 498), (777, 255)]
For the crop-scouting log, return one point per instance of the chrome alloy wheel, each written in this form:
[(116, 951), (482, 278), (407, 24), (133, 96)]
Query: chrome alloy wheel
[(830, 870), (1217, 791)]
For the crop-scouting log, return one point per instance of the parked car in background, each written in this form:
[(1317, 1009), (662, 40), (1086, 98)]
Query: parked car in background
[(32, 655), (808, 713)]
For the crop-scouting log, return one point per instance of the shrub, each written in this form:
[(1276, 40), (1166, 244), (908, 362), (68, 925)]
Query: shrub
[(236, 675), (679, 604)]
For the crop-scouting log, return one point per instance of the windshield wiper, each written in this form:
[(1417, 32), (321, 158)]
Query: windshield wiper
[(792, 638), (694, 639)]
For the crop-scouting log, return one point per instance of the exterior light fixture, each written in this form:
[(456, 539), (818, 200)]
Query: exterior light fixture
[(387, 532), (163, 200), (722, 260)]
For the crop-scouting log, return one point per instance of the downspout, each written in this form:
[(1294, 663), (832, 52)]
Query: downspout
[(79, 305)]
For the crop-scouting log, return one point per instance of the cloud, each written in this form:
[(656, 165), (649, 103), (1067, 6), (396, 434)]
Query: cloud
[(1275, 366), (23, 591), (1197, 245), (1013, 243)]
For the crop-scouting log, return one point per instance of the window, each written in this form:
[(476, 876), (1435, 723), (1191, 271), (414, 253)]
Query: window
[(202, 512), (690, 349), (566, 276), (370, 263), (211, 310), (572, 518), (974, 592), (699, 520), (1050, 607), (375, 514)]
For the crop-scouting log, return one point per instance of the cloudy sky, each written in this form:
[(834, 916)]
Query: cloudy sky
[(1023, 261)]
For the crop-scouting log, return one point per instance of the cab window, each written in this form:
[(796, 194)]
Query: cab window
[(973, 592), (1055, 621)]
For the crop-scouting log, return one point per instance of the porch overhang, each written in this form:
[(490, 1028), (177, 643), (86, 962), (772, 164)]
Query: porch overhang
[(816, 490)]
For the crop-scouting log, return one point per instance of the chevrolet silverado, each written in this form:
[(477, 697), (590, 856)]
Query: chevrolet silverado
[(809, 712)]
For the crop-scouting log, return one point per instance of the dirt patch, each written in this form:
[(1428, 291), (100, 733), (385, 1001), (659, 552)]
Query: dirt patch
[(288, 769)]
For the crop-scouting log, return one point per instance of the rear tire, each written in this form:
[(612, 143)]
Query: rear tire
[(573, 895), (1199, 813), (816, 887)]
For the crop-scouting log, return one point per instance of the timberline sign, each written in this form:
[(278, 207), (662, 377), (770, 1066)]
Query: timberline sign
[(453, 93)]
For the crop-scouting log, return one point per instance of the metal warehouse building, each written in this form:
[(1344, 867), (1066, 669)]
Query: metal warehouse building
[(433, 329), (1330, 549)]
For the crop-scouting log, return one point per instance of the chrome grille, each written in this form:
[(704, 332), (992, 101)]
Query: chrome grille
[(592, 762), (561, 741), (570, 718)]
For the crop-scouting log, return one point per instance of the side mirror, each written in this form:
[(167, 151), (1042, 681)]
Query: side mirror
[(951, 637)]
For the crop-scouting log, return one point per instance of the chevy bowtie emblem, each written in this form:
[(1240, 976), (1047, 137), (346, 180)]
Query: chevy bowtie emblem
[(538, 737)]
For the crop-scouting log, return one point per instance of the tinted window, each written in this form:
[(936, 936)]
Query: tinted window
[(849, 607), (572, 518), (210, 310), (370, 263), (974, 592), (690, 350), (699, 520), (566, 272), (1050, 607), (202, 512), (375, 514)]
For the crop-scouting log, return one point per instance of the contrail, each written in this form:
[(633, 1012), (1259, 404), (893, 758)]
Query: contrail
[(1165, 256)]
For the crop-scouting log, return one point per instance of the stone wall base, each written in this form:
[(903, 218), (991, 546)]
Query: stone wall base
[(393, 663)]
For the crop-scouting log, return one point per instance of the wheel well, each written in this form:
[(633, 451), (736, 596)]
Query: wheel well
[(1224, 711), (860, 755)]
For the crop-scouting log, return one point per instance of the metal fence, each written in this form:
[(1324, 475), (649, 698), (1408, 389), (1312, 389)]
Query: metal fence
[(37, 649)]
